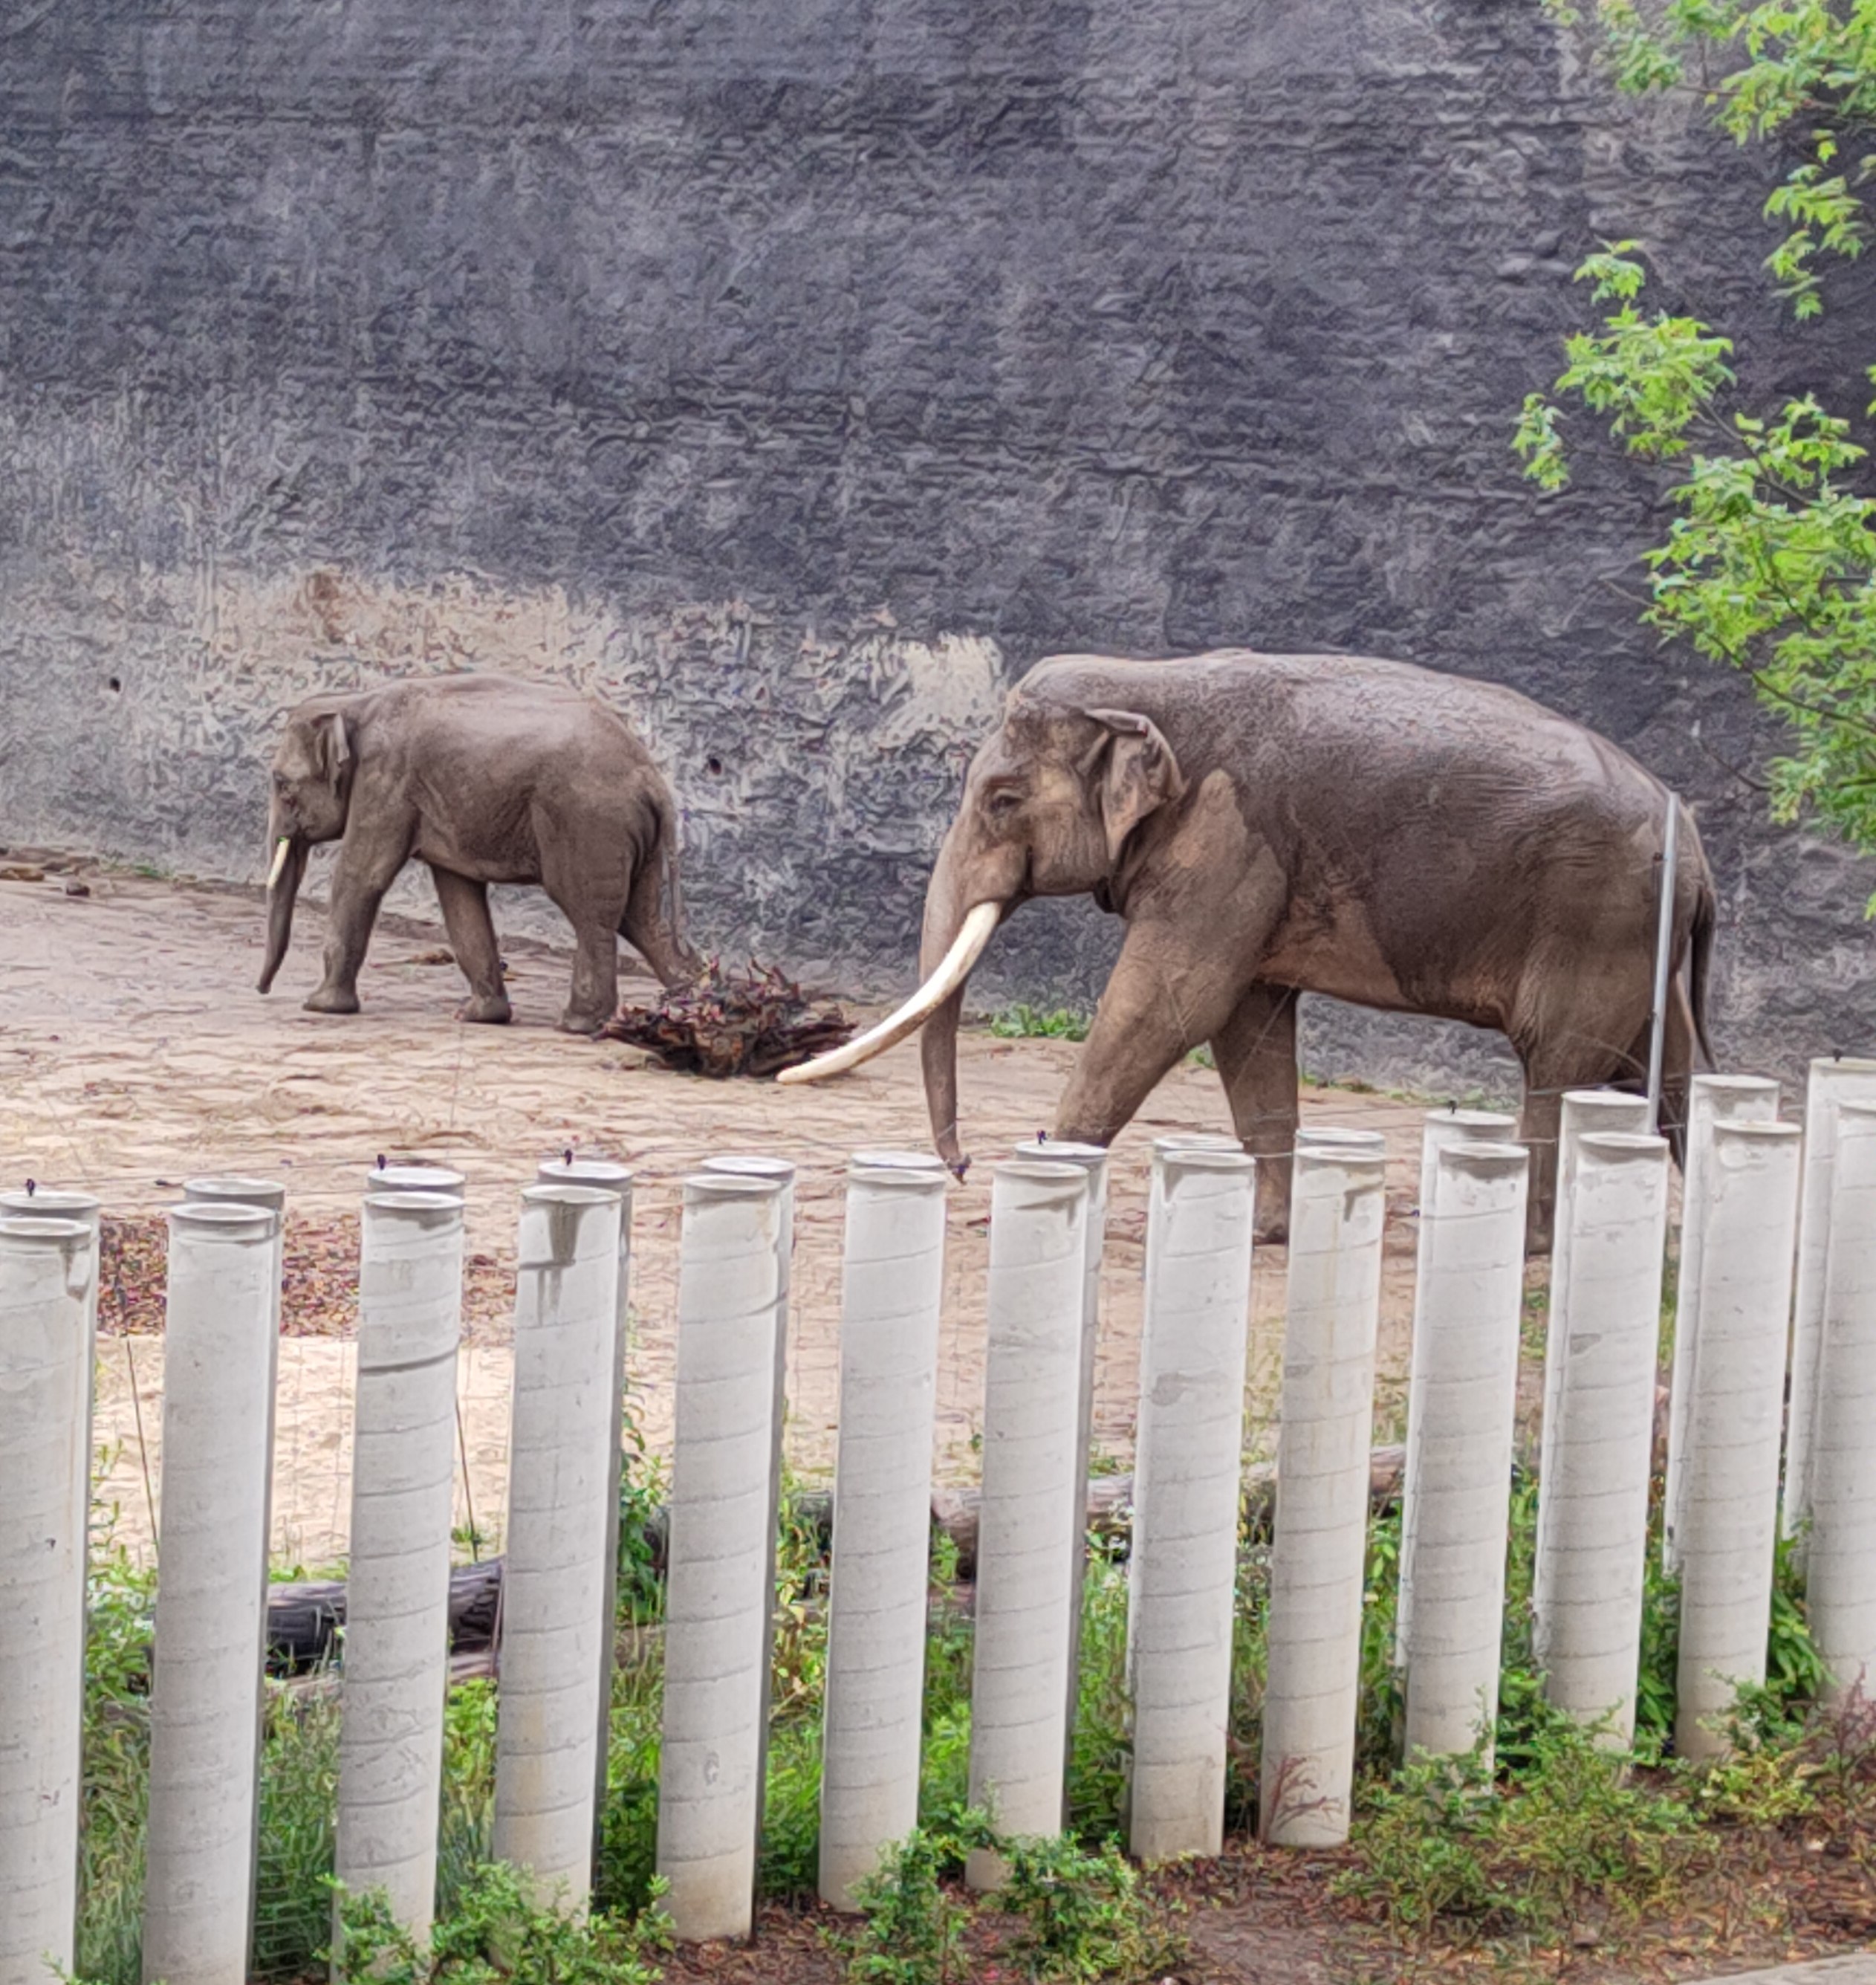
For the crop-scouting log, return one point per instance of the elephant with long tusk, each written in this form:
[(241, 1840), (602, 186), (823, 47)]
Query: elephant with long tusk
[(1266, 825)]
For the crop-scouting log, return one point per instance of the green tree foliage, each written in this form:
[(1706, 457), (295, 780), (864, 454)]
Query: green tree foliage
[(1769, 563)]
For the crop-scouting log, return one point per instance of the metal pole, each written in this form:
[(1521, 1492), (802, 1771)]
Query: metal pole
[(1664, 956)]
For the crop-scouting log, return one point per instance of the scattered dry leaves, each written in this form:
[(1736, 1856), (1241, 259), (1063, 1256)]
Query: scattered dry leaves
[(320, 1284)]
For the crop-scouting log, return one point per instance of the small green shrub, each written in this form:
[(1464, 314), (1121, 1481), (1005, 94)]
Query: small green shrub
[(1084, 1915), (496, 1935), (1442, 1841), (1023, 1022), (909, 1935)]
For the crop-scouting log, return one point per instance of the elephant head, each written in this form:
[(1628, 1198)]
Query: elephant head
[(1058, 802), (311, 791)]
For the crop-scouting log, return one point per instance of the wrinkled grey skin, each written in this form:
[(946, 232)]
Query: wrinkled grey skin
[(487, 779), (1271, 824)]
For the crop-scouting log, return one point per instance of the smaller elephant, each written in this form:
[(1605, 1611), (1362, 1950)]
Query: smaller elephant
[(487, 780)]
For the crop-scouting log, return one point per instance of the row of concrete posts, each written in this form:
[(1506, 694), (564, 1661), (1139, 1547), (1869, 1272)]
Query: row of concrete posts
[(1742, 1231)]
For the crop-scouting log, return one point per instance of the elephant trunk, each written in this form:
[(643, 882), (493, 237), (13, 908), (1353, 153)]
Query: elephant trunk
[(938, 1046), (282, 887)]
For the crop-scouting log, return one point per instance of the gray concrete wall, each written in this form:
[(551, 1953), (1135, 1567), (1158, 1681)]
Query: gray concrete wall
[(798, 374)]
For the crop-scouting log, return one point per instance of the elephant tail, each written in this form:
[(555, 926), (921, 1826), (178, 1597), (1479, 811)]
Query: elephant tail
[(1699, 962), (654, 919)]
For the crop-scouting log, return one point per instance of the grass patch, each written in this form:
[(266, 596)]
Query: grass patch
[(1022, 1023)]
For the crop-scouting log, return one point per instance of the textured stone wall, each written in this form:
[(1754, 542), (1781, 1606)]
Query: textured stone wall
[(797, 374)]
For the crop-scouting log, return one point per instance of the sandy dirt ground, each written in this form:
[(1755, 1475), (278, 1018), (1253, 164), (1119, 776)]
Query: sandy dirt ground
[(135, 1054)]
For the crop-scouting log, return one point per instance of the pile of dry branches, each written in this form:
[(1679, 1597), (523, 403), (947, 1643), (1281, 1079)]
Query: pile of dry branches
[(719, 1026)]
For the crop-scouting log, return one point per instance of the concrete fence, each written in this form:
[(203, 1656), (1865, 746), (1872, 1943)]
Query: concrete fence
[(1752, 1182)]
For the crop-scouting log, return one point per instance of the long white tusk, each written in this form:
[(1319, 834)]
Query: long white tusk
[(281, 852), (953, 969)]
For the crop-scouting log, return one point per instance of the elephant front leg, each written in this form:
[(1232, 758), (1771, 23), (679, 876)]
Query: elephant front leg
[(464, 905), (1255, 1051), (1539, 1123), (1161, 1003), (362, 875)]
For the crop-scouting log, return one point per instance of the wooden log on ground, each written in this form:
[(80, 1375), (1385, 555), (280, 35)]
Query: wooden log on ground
[(304, 1618), (1110, 1501)]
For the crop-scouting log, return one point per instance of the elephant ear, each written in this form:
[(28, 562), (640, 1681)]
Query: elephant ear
[(332, 746), (1139, 775)]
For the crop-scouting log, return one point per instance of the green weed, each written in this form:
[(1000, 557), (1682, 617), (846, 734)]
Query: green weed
[(1442, 1841), (1100, 1751), (1079, 1914), (911, 1925), (1084, 1915), (497, 1932), (1024, 1023)]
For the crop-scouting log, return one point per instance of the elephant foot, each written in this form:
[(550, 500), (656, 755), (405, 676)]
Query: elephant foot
[(489, 1009), (571, 1023), (330, 999)]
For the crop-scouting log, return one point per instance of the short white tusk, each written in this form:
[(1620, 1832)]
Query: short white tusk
[(953, 969), (281, 851)]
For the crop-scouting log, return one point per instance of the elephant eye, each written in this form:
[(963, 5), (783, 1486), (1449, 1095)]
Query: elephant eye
[(1003, 801)]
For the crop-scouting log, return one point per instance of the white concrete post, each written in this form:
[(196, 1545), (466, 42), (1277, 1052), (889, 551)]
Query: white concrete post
[(1182, 1572), (1584, 1112), (211, 1627), (1031, 1512), (614, 1178), (396, 1648), (891, 1297), (53, 1203), (1729, 1520), (1339, 1138), (47, 1270), (719, 1591), (1834, 1080), (563, 1450), (890, 1160), (416, 1178), (1456, 1502), (1593, 1503), (1712, 1100), (1319, 1551), (1174, 1142), (45, 1203), (782, 1174), (1093, 1159), (1441, 1129), (1840, 1564)]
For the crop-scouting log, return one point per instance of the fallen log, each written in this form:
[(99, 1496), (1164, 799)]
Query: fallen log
[(1110, 1502), (304, 1618)]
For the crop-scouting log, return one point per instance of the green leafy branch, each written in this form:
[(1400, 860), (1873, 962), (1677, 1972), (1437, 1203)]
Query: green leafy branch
[(1769, 564), (1806, 71)]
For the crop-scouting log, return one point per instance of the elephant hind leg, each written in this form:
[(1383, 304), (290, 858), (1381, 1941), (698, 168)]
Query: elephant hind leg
[(1677, 1057), (1551, 1067), (464, 904)]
